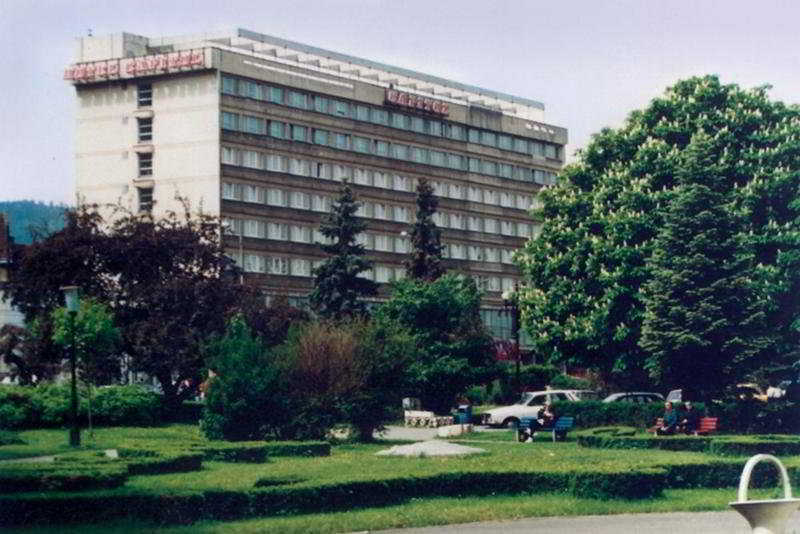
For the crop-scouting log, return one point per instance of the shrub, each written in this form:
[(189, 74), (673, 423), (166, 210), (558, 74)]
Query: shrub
[(56, 476), (10, 438), (775, 417), (596, 413), (563, 381), (125, 405)]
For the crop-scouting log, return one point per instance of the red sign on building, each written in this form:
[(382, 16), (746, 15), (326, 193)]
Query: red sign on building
[(419, 103), (132, 67)]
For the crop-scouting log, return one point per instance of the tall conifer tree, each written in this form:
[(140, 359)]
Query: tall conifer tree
[(425, 262), (338, 288)]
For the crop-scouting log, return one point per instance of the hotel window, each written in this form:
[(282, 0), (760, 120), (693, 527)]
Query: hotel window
[(400, 151), (491, 254), (145, 129), (251, 159), (399, 273), (507, 228), (299, 133), (494, 283), (521, 146), (440, 219), (146, 164), (490, 197), (228, 85), (254, 125), (474, 194), (324, 171), (278, 265), (506, 200), (505, 170), (439, 188), (254, 228), (145, 199), (230, 121), (508, 284), (300, 200), (144, 95), (474, 136), (523, 202), (300, 234), (276, 163), (506, 255), (401, 214), (380, 211), (380, 116), (278, 231), (504, 142), (380, 179), (457, 132), (536, 230), (276, 95), (417, 124), (490, 226), (437, 158), (523, 229), (382, 243), (474, 253), (361, 144), (399, 120), (455, 191), (474, 165), (523, 173), (362, 113), (454, 161), (457, 221), (419, 155), (253, 193), (435, 128), (277, 129), (383, 274), (254, 263), (229, 191), (382, 148), (400, 183), (401, 245), (488, 138), (276, 197), (298, 100), (318, 237), (538, 149), (341, 141), (229, 156), (550, 151), (341, 173), (300, 267), (299, 167), (321, 104), (341, 109), (474, 223), (457, 251), (489, 167), (320, 137), (320, 203)]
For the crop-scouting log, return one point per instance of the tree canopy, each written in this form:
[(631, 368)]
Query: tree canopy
[(425, 261), (585, 302)]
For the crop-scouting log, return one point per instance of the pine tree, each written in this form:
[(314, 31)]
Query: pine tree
[(338, 288), (703, 322), (425, 262)]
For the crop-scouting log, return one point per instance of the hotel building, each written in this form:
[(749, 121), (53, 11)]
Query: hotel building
[(263, 132)]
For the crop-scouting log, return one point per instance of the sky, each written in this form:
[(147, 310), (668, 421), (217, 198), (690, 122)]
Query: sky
[(590, 62)]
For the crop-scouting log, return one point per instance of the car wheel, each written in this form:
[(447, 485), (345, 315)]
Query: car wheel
[(511, 422)]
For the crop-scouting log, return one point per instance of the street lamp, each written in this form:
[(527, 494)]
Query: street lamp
[(72, 300), (511, 306)]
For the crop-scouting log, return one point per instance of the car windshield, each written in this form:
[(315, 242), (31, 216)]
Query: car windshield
[(525, 398)]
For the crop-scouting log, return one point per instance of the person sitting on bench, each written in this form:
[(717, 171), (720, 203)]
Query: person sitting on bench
[(545, 418), (690, 420), (670, 423)]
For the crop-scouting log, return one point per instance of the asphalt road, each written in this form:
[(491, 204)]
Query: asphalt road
[(728, 522)]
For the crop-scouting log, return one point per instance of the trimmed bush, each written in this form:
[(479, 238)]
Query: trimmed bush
[(241, 451), (154, 462), (750, 445), (298, 448), (54, 476), (10, 438)]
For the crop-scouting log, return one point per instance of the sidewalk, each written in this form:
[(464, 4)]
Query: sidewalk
[(728, 522)]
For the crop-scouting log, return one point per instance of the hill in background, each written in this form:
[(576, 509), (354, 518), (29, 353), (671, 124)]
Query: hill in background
[(29, 218)]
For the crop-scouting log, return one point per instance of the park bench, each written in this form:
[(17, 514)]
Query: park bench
[(563, 425), (422, 418), (705, 426)]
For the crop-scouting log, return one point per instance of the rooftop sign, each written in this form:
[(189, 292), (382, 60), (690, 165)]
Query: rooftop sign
[(420, 103), (116, 69)]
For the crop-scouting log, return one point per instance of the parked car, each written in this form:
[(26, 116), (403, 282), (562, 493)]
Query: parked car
[(639, 397), (530, 403)]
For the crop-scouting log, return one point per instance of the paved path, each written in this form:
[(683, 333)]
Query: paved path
[(673, 523)]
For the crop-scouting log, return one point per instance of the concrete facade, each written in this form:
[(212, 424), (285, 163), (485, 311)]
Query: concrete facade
[(262, 132)]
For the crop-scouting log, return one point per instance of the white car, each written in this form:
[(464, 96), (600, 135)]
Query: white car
[(530, 403)]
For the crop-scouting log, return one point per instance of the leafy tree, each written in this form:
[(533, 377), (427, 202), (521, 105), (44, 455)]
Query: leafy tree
[(454, 351), (584, 302), (30, 353), (164, 280), (96, 339), (702, 315), (338, 288), (425, 262), (272, 323), (246, 399)]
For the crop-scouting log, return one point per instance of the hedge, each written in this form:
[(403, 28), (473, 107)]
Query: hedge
[(55, 476), (308, 496), (10, 438)]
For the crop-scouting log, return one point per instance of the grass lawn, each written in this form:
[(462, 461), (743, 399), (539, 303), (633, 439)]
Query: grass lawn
[(358, 462)]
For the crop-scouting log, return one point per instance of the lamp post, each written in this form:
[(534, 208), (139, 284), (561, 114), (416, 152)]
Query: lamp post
[(72, 300), (511, 306)]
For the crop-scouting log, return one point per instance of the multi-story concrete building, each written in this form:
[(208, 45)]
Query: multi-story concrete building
[(263, 132)]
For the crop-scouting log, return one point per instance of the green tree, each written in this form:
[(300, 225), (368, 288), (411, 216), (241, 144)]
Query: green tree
[(96, 339), (583, 303), (454, 350), (702, 314), (425, 262), (338, 289), (246, 398)]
